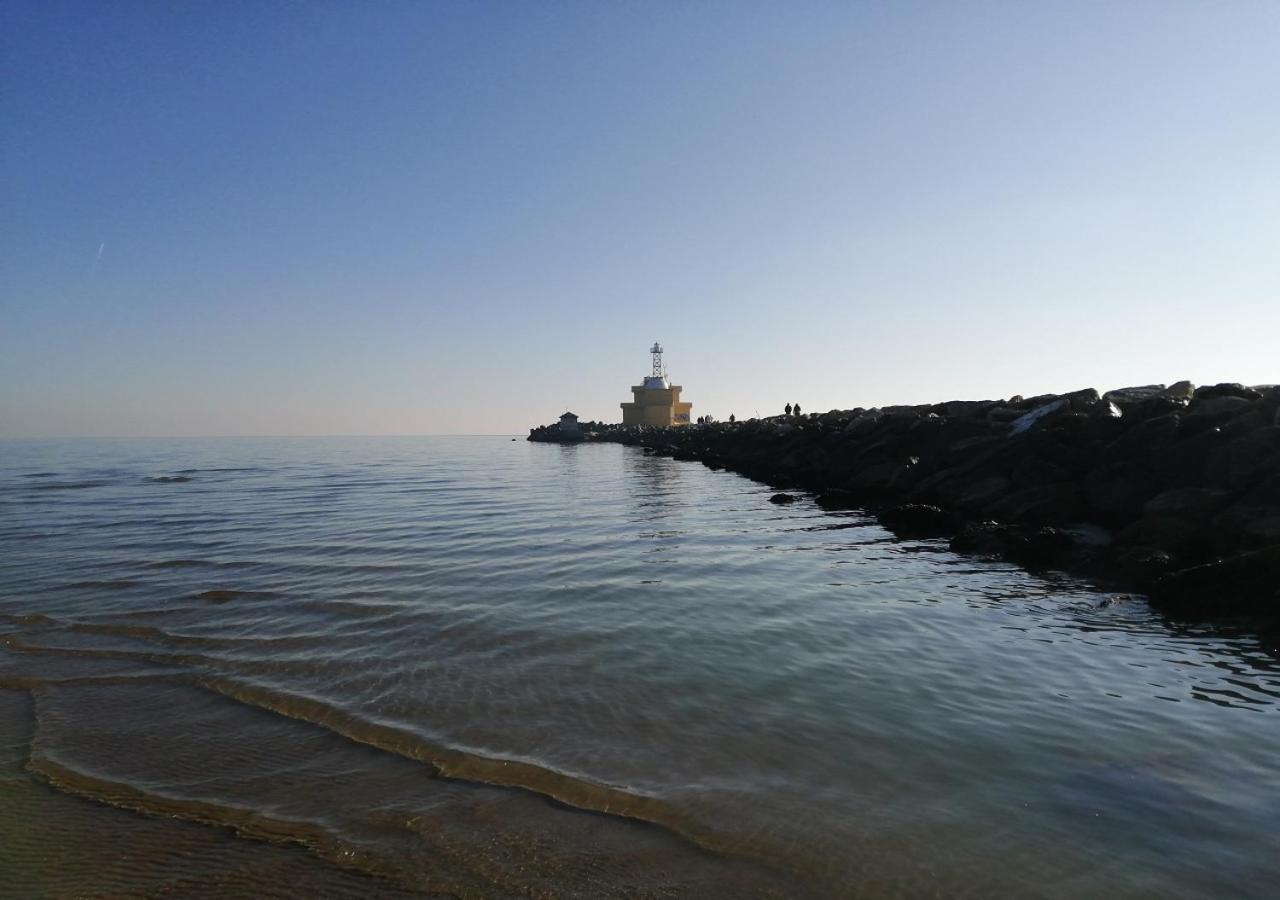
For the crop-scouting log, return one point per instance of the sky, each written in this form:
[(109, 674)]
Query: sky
[(460, 217)]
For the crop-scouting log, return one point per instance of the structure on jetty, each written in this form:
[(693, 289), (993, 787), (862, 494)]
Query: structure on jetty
[(656, 400)]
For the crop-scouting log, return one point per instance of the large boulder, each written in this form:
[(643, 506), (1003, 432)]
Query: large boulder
[(1195, 504), (1217, 408), (1177, 536), (1046, 504), (1245, 460), (1227, 390), (1132, 397), (1039, 414), (1253, 521), (1116, 493), (1243, 583), (918, 520)]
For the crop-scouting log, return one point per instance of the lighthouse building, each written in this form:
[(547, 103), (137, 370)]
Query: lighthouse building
[(656, 400)]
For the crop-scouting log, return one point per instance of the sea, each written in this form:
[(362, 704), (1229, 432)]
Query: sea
[(483, 667)]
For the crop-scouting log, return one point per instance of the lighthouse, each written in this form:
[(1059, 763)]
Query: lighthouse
[(656, 401)]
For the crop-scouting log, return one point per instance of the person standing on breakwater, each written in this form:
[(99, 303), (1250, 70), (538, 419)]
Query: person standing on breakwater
[(787, 408), (796, 408)]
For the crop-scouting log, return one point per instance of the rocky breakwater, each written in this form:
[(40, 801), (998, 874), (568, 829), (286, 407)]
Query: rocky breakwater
[(1174, 491)]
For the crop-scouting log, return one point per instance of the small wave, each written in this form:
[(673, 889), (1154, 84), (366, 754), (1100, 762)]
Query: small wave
[(150, 802), (224, 595), (231, 469), (179, 564), (67, 485), (39, 474), (170, 479), (358, 608), (460, 765), (115, 584), (28, 619)]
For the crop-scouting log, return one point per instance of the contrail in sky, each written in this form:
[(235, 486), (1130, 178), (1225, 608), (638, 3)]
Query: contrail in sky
[(97, 259)]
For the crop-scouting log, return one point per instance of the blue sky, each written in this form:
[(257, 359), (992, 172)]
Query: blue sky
[(364, 218)]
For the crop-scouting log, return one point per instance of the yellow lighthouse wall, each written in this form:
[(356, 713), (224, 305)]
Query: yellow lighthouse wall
[(656, 406)]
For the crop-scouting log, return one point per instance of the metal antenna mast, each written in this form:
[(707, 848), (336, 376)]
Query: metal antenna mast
[(656, 350)]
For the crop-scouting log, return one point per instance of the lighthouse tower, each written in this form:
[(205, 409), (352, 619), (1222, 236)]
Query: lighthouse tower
[(656, 401)]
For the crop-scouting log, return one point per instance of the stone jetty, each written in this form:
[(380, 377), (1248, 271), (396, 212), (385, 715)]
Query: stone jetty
[(1173, 491)]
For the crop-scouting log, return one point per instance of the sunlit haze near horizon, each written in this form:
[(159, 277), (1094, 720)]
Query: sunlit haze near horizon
[(403, 218)]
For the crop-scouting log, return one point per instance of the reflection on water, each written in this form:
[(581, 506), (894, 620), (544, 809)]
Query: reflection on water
[(489, 668)]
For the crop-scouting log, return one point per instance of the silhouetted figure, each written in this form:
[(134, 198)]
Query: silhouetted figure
[(797, 409), (731, 420), (788, 408)]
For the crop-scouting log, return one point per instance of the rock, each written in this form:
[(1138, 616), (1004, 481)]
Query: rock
[(1227, 390), (1021, 544), (1182, 390), (1145, 442), (782, 498), (1041, 505), (918, 520), (1130, 398), (864, 424), (1003, 415), (1253, 521), (1177, 536), (1195, 505), (1032, 471), (1245, 460), (1026, 422), (1242, 583), (956, 409), (1086, 534), (976, 495), (1105, 409), (1082, 401), (1141, 565), (1116, 493), (879, 477), (1216, 409)]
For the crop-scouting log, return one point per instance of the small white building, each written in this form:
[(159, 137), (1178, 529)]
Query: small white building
[(569, 422)]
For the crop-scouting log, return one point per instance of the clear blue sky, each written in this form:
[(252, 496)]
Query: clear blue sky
[(332, 218)]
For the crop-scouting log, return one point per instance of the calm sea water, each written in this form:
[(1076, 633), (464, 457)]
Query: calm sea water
[(344, 667)]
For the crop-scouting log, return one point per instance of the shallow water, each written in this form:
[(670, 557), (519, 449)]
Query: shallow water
[(267, 667)]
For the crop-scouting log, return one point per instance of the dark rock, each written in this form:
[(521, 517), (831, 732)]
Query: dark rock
[(1242, 583), (1033, 471), (1245, 460), (1217, 409), (1117, 493), (918, 520), (1145, 442), (1041, 505), (1086, 534), (1195, 505), (1021, 544), (880, 477), (1253, 521), (1141, 565), (1082, 401), (1105, 409), (1039, 414), (971, 496), (1227, 390), (1130, 398), (1003, 415), (1177, 536), (1182, 390), (782, 498), (965, 408)]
